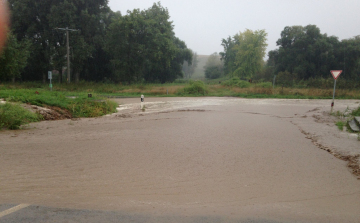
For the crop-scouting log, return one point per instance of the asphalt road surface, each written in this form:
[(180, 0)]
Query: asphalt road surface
[(183, 160)]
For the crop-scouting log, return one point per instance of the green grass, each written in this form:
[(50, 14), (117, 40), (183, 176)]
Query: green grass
[(91, 108), (341, 125), (77, 103), (347, 114), (220, 87), (12, 116), (356, 112)]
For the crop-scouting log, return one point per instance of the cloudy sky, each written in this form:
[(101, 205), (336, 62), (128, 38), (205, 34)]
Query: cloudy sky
[(203, 23)]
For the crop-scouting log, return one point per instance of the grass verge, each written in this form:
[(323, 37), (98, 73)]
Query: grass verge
[(78, 104), (12, 116), (219, 88)]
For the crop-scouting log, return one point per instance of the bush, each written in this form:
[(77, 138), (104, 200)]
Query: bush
[(236, 82), (195, 87), (12, 116), (213, 72)]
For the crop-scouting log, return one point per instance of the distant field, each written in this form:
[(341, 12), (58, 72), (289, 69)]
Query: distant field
[(199, 71)]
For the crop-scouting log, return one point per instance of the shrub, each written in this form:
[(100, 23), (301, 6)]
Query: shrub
[(236, 82), (12, 116), (213, 72), (194, 87)]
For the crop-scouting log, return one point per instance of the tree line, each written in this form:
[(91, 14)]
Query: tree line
[(141, 46), (303, 53), (108, 46)]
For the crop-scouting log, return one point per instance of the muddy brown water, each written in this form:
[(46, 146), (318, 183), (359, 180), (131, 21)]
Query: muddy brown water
[(225, 157)]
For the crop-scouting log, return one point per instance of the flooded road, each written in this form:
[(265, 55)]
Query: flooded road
[(228, 158)]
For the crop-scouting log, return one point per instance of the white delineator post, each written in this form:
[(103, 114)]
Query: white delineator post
[(335, 74), (142, 102)]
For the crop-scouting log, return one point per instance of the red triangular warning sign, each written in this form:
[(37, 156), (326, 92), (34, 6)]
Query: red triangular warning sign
[(336, 73)]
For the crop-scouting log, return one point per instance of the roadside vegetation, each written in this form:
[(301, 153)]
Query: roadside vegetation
[(12, 116), (345, 117), (74, 99), (77, 104), (234, 87)]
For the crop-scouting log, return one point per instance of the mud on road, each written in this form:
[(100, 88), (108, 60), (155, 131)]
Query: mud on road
[(223, 157)]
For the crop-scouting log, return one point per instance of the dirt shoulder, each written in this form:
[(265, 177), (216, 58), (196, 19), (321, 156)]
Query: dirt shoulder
[(49, 112)]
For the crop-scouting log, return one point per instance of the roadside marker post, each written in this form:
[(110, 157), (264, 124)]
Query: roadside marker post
[(142, 102), (335, 74), (50, 77)]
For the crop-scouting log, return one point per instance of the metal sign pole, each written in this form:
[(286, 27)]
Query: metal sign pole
[(335, 74), (332, 104)]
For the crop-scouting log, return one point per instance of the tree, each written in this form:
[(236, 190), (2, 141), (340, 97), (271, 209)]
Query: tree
[(310, 54), (213, 67), (243, 54), (350, 48), (14, 58), (229, 54), (36, 20), (143, 46), (250, 51)]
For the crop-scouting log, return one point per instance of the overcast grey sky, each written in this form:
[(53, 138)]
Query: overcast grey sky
[(203, 23)]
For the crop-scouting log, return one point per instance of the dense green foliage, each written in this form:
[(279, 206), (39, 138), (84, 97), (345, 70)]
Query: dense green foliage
[(304, 58), (213, 67), (139, 46), (243, 54), (194, 88), (37, 20), (143, 46), (14, 58), (12, 116), (236, 82), (305, 53)]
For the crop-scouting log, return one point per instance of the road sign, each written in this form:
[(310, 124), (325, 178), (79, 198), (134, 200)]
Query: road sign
[(336, 73), (49, 75)]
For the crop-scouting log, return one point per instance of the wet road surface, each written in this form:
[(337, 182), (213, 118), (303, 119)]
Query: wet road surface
[(225, 160)]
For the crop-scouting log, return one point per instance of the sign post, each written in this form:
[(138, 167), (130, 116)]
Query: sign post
[(50, 77), (142, 102), (335, 74)]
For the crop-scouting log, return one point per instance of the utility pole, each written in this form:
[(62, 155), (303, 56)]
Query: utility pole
[(67, 50)]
